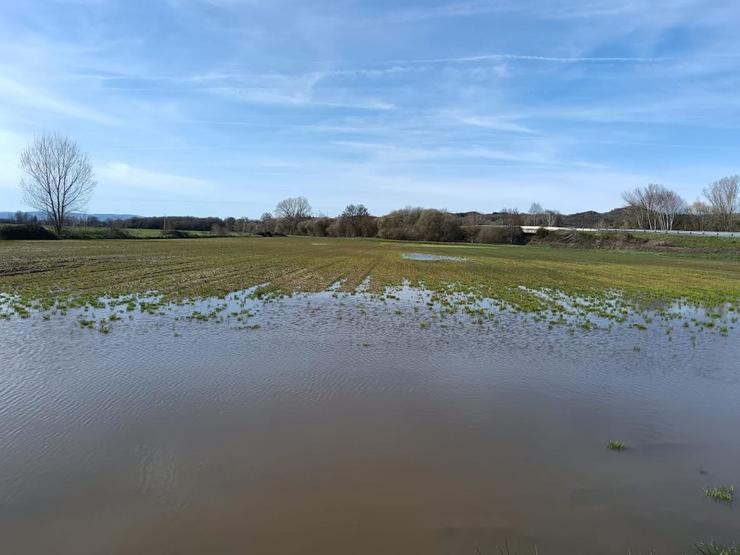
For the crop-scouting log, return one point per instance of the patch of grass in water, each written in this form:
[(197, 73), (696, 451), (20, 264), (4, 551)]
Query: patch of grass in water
[(725, 494), (616, 445), (716, 549)]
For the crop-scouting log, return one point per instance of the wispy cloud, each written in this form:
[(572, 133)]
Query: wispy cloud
[(284, 89), (402, 154), (453, 9), (32, 97), (11, 145), (131, 176), (547, 9), (295, 90), (496, 123), (532, 58), (569, 100)]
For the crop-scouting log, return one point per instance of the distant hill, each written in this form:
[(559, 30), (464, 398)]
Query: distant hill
[(590, 218), (613, 218), (101, 217)]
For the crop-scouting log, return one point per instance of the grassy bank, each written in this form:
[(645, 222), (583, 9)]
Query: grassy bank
[(84, 233), (497, 235), (639, 241), (37, 232), (514, 275)]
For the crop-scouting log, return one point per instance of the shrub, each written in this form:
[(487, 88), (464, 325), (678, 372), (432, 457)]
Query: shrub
[(320, 227), (26, 232), (542, 233), (95, 233), (176, 234), (506, 235), (435, 225), (399, 224), (304, 227), (417, 224)]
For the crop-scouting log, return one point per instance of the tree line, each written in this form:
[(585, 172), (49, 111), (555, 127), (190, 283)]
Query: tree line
[(59, 181), (656, 207), (293, 216)]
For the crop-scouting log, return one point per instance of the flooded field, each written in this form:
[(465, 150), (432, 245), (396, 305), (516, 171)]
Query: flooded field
[(334, 423)]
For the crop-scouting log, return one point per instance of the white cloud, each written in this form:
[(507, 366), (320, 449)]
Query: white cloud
[(495, 123)]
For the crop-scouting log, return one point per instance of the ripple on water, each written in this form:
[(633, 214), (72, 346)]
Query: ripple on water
[(198, 430)]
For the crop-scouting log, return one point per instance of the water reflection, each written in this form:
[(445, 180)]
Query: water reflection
[(431, 257), (336, 423)]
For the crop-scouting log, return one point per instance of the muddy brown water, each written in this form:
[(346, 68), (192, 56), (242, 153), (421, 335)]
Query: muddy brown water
[(337, 429)]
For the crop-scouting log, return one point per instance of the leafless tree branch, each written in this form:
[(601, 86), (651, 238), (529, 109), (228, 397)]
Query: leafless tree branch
[(59, 178)]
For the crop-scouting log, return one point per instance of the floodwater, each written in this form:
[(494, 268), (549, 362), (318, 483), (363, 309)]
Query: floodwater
[(424, 257), (336, 425)]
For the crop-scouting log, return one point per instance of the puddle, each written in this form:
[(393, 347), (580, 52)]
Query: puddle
[(424, 257)]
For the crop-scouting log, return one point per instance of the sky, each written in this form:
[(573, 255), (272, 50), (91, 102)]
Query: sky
[(224, 107)]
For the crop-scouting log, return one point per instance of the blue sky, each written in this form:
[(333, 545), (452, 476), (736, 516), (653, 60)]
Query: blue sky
[(223, 107)]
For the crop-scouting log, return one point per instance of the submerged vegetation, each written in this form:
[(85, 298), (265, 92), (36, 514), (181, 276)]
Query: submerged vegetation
[(591, 288), (721, 493), (716, 549)]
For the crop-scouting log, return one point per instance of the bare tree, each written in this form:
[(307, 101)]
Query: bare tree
[(474, 219), (700, 212), (552, 218), (635, 207), (59, 179), (23, 217), (355, 211), (654, 207), (473, 222), (511, 217), (536, 214), (669, 207), (267, 223), (641, 205), (723, 197), (292, 211), (353, 221)]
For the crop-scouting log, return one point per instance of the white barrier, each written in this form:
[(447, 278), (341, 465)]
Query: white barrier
[(730, 234)]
